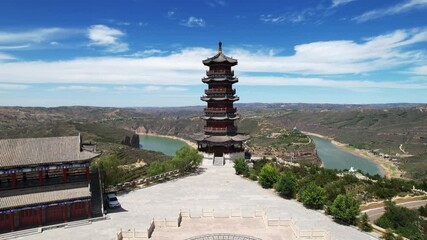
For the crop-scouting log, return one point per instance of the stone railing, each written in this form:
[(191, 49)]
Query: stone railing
[(132, 234), (316, 234), (136, 182), (379, 230)]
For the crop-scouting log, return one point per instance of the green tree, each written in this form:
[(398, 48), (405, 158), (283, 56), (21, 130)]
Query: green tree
[(187, 158), (345, 208), (287, 184), (268, 175), (403, 221), (313, 196), (241, 166), (423, 211), (156, 168), (364, 224), (111, 173)]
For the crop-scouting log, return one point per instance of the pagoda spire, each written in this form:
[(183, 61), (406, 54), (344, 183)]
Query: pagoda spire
[(220, 47)]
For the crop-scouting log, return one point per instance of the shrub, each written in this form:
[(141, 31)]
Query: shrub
[(241, 167), (313, 196), (403, 221), (423, 210), (253, 175), (187, 157), (345, 208), (286, 185), (156, 168), (268, 176), (364, 224)]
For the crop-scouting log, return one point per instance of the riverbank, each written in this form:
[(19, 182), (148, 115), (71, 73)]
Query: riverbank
[(188, 142), (389, 169)]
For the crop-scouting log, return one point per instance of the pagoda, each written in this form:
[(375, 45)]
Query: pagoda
[(220, 142)]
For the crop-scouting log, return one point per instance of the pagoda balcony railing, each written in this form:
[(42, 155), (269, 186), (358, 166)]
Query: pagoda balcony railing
[(220, 110), (220, 130), (220, 72), (220, 91)]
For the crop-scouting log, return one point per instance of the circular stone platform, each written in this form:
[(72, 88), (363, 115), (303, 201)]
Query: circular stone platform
[(223, 236)]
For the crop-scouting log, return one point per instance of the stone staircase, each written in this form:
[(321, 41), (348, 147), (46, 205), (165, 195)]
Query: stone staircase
[(218, 161), (95, 189)]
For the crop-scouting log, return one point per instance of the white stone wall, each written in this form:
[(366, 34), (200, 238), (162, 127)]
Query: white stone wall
[(230, 157)]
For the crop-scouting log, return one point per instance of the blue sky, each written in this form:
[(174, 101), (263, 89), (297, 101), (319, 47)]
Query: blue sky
[(148, 52)]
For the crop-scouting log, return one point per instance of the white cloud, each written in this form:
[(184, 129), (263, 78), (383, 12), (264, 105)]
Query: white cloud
[(150, 88), (271, 18), (146, 53), (193, 22), (5, 86), (421, 70), (322, 82), (175, 89), (80, 88), (214, 3), (405, 6), (293, 17), (4, 56), (336, 3), (36, 35), (103, 36), (170, 14), (14, 47), (328, 58)]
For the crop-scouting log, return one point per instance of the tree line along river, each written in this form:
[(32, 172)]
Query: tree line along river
[(331, 155)]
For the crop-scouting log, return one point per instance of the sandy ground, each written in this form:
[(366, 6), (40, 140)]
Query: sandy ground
[(389, 168)]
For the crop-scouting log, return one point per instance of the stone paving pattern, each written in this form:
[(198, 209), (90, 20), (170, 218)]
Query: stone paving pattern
[(213, 188), (224, 236)]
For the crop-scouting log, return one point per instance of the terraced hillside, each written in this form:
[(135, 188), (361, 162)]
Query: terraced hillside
[(395, 129)]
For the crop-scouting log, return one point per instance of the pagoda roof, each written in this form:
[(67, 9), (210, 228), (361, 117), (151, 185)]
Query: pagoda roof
[(220, 58), (38, 151), (219, 79), (220, 118), (220, 139), (208, 98)]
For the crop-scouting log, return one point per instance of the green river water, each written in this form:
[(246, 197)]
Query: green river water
[(165, 145), (331, 155), (334, 157)]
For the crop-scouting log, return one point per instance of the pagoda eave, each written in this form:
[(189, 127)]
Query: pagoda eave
[(232, 99)]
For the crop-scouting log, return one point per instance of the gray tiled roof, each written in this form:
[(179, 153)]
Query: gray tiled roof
[(33, 151), (219, 139), (45, 194), (220, 58)]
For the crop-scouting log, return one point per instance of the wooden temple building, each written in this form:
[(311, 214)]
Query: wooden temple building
[(45, 181), (220, 142)]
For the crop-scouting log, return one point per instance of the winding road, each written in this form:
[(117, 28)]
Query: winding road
[(376, 213)]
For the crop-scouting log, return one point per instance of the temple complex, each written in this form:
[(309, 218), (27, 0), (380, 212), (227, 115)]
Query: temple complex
[(220, 141), (45, 181)]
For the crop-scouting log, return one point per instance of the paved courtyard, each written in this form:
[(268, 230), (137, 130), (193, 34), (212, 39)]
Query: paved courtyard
[(213, 188)]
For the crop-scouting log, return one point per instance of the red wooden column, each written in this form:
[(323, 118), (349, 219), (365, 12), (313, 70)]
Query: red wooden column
[(12, 221), (64, 177), (39, 216), (65, 212), (87, 173), (88, 209), (13, 180), (40, 178)]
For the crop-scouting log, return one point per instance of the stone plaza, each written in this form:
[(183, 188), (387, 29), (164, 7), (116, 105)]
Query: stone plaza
[(212, 187)]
